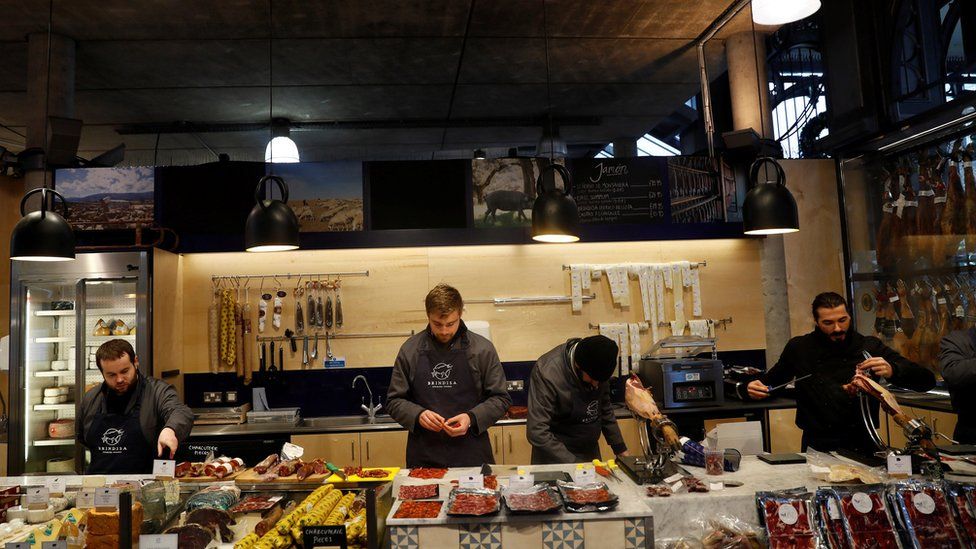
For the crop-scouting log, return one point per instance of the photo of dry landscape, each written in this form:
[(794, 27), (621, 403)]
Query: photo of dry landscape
[(326, 196), (107, 198)]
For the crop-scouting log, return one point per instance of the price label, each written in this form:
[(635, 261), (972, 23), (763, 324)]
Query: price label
[(472, 481), (862, 502), (585, 475), (107, 497), (165, 468), (17, 545), (520, 482), (673, 478), (676, 487), (63, 544), (924, 503), (85, 499), (37, 496), (56, 485), (324, 536), (159, 541), (788, 514), (833, 510), (716, 486), (899, 465)]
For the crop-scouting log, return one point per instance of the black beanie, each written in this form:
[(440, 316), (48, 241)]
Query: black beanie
[(597, 356)]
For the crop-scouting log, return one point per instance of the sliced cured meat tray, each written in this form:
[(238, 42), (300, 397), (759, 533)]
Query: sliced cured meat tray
[(373, 472), (540, 498), (585, 498), (427, 473), (473, 502), (409, 509), (418, 491), (277, 474)]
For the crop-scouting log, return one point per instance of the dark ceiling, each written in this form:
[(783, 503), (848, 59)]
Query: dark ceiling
[(388, 73)]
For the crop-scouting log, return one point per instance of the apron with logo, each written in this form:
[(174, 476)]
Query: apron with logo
[(443, 383), (117, 443), (579, 431)]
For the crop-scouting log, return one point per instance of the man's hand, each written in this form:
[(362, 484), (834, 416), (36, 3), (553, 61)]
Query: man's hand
[(757, 390), (432, 421), (458, 425), (625, 453), (876, 365), (167, 439)]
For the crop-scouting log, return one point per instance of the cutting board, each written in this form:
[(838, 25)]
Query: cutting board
[(231, 476), (251, 477), (390, 473)]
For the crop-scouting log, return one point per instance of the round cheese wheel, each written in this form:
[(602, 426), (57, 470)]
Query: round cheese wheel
[(35, 516), (17, 512), (52, 400), (52, 392), (61, 428)]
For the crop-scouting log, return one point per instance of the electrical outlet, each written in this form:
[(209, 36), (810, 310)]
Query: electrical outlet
[(515, 385), (230, 397), (212, 397)]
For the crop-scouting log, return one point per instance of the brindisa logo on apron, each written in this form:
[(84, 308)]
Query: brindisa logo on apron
[(441, 374), (592, 410), (111, 438)]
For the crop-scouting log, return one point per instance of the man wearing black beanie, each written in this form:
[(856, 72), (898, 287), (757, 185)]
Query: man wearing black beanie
[(569, 402)]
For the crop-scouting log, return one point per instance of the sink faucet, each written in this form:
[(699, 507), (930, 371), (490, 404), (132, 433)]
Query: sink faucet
[(371, 409)]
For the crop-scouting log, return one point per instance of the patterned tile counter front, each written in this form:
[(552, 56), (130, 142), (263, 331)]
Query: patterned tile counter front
[(628, 526)]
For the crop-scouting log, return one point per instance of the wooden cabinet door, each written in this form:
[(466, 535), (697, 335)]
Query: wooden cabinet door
[(341, 449), (784, 435), (497, 437), (629, 429), (384, 449), (518, 451), (943, 422)]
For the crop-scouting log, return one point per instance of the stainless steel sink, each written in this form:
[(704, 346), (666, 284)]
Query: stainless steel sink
[(344, 421)]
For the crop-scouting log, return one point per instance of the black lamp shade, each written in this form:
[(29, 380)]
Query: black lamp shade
[(271, 226), (769, 208), (43, 235), (555, 217)]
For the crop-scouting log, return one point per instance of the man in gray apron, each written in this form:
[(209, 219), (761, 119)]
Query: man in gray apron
[(569, 402), (447, 388)]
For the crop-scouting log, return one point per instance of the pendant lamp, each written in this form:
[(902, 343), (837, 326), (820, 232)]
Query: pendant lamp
[(781, 12), (769, 207), (555, 217), (43, 235), (272, 225)]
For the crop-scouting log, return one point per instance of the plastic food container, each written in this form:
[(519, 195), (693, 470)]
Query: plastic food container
[(279, 415)]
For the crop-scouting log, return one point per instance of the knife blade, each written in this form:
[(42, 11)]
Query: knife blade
[(794, 380), (337, 471), (271, 367), (485, 469)]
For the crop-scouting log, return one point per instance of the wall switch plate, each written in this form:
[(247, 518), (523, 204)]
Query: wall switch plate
[(230, 397), (515, 385), (211, 397)]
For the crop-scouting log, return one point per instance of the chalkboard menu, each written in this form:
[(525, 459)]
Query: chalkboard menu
[(620, 190), (324, 536)]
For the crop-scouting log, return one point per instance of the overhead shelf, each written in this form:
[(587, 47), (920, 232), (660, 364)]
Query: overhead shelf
[(103, 339), (55, 442), (89, 312), (54, 339), (54, 407), (55, 373)]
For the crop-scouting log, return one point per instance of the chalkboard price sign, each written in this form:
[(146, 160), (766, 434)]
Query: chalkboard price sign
[(620, 190), (324, 536)]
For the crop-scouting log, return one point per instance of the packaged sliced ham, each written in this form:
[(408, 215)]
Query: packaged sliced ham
[(961, 504), (829, 520), (867, 520), (789, 518), (924, 511)]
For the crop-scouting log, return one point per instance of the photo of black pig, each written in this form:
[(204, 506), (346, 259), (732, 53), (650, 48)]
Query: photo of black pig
[(507, 201)]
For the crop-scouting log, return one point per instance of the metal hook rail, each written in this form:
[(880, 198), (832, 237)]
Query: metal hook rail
[(694, 265), (287, 275), (530, 300), (723, 322), (263, 339)]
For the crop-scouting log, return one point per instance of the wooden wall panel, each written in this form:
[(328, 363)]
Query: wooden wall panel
[(814, 255), (11, 191), (167, 316), (391, 298)]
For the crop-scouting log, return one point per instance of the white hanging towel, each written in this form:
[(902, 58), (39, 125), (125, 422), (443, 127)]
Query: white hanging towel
[(619, 284), (659, 271), (576, 285), (635, 353), (698, 327), (616, 332), (678, 292), (677, 328), (696, 292), (586, 275), (642, 283)]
